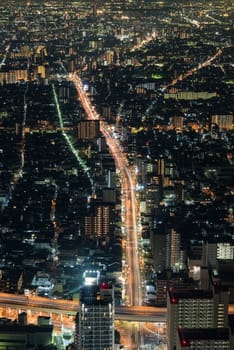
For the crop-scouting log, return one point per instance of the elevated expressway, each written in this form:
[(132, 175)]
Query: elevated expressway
[(11, 304), (68, 308)]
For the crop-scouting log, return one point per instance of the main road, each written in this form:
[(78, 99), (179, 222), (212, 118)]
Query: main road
[(134, 290)]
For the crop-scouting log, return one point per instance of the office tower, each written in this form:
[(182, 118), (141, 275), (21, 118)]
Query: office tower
[(203, 338), (95, 319), (195, 309)]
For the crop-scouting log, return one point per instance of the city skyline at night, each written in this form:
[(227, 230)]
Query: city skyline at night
[(116, 161)]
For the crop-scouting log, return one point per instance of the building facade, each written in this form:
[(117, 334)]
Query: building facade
[(95, 319), (194, 309), (203, 338)]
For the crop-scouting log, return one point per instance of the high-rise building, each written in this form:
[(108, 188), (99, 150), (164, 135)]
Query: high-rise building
[(203, 338), (153, 193), (194, 309), (231, 330), (18, 335), (159, 238), (109, 195), (169, 279), (88, 129), (95, 9), (13, 76), (215, 250), (224, 122), (95, 319), (106, 112), (174, 242), (166, 248), (161, 167), (98, 223), (178, 122)]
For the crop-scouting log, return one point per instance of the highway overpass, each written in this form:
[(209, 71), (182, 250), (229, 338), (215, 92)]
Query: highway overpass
[(69, 308)]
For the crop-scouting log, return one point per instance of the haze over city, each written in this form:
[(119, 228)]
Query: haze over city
[(116, 175)]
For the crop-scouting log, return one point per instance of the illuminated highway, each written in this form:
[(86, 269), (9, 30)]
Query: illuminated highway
[(65, 307), (189, 73), (68, 307), (191, 21), (145, 41), (134, 291), (195, 69)]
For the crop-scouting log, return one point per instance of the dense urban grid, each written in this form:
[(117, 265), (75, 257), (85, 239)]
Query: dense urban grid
[(116, 174)]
